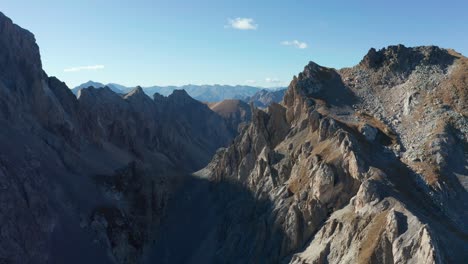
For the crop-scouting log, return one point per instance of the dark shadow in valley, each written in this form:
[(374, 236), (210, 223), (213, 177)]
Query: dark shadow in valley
[(216, 222), (74, 245)]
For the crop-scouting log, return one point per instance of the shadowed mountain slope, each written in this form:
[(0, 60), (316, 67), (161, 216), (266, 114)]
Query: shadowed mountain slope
[(235, 112), (95, 170)]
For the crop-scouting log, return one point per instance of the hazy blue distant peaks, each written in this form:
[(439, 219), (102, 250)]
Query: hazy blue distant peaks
[(205, 93), (90, 83), (117, 88)]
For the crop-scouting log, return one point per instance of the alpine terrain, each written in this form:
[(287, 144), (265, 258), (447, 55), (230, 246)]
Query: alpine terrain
[(367, 164)]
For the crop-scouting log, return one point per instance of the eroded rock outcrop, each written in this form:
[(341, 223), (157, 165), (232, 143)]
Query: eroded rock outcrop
[(335, 168)]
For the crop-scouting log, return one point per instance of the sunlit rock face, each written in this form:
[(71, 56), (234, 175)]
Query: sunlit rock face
[(356, 172)]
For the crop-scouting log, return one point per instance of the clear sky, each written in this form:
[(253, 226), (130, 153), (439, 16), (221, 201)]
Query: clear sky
[(261, 43)]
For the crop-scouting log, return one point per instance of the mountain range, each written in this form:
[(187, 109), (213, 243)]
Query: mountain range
[(367, 164), (204, 93), (264, 97)]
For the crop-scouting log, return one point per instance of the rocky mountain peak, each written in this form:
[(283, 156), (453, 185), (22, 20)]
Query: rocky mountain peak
[(93, 92), (311, 68), (18, 44), (311, 81), (19, 57), (23, 84), (178, 98), (181, 97), (137, 92), (157, 97), (138, 88), (179, 93), (326, 159), (93, 84), (315, 83), (401, 58)]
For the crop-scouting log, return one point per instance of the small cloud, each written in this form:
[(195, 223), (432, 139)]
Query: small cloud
[(84, 68), (250, 81), (272, 80), (242, 23), (296, 43)]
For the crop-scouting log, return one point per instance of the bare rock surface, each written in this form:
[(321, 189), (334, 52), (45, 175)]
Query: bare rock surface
[(358, 164)]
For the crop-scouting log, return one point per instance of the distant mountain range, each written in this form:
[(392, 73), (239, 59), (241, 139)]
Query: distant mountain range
[(265, 97), (113, 86), (205, 93)]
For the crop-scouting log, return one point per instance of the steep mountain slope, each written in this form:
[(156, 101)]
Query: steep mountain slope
[(236, 112), (335, 163), (87, 179), (116, 86), (194, 132)]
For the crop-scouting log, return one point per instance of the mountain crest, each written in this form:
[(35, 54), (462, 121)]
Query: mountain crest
[(91, 91), (179, 93), (401, 58), (137, 92), (316, 84), (180, 96), (93, 84)]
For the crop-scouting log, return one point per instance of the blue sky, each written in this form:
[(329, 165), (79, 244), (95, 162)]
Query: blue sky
[(261, 43)]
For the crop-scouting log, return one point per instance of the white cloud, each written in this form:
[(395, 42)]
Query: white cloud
[(84, 68), (250, 81), (296, 43), (242, 23), (272, 80)]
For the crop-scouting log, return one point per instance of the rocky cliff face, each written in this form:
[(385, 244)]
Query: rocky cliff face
[(180, 128), (360, 165), (87, 179)]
